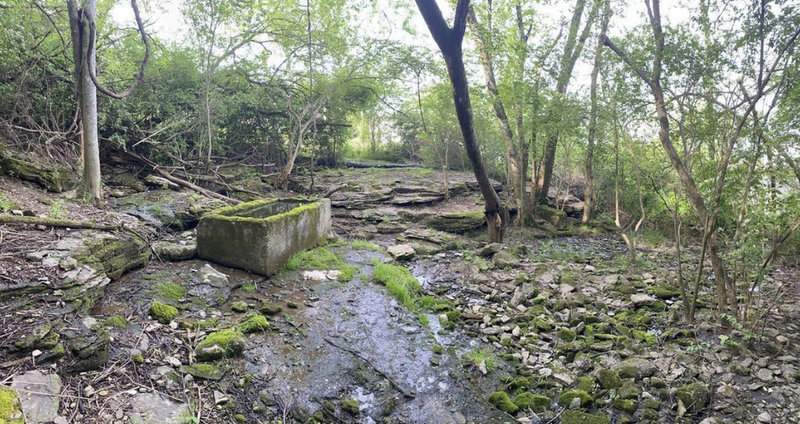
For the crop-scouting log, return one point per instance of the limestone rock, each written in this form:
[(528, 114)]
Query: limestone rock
[(52, 177), (39, 394), (694, 396), (152, 408), (641, 299), (636, 368), (174, 252), (401, 252)]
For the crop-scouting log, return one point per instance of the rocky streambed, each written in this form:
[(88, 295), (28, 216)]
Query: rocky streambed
[(555, 325)]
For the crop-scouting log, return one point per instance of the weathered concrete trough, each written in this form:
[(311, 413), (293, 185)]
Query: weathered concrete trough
[(260, 236)]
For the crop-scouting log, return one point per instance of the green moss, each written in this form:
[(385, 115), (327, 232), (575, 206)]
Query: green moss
[(694, 396), (566, 334), (240, 418), (626, 405), (351, 406), (629, 390), (220, 344), (542, 325), (399, 281), (170, 292), (572, 416), (232, 213), (204, 371), (249, 286), (502, 401), (239, 306), (536, 403), (609, 379), (116, 321), (649, 339), (254, 323), (566, 398), (437, 349), (664, 291), (137, 358), (10, 408), (163, 313), (319, 258), (585, 383)]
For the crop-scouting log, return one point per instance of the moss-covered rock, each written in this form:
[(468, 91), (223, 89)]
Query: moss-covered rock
[(609, 379), (204, 371), (585, 383), (52, 177), (665, 291), (694, 396), (220, 344), (542, 324), (239, 306), (351, 406), (10, 407), (629, 390), (270, 309), (636, 368), (536, 403), (572, 416), (502, 401), (566, 398), (625, 405), (456, 222), (566, 334), (254, 323), (163, 313)]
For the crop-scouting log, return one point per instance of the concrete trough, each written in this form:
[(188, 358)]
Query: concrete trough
[(260, 236)]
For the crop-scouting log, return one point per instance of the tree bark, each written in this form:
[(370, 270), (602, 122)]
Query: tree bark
[(588, 193), (87, 98), (449, 42), (572, 50), (512, 149)]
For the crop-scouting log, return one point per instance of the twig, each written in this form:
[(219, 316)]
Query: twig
[(406, 393)]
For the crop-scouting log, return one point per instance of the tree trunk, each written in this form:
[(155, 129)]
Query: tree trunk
[(572, 50), (449, 42), (87, 98), (588, 193)]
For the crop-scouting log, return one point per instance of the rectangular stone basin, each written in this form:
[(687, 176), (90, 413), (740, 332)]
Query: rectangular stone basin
[(260, 236)]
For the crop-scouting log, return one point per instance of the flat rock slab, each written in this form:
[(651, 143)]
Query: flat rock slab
[(152, 408), (401, 252), (39, 394)]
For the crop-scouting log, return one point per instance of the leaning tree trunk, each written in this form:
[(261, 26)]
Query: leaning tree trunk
[(449, 42), (87, 98)]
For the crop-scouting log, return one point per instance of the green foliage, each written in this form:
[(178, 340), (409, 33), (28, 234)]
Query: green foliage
[(482, 355)]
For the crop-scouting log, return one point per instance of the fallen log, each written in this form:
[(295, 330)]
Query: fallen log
[(381, 165)]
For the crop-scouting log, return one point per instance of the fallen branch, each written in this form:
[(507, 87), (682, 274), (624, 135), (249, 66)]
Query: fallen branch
[(330, 192), (180, 182), (405, 392), (70, 223)]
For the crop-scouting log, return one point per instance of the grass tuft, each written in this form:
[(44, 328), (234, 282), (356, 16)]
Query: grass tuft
[(399, 281), (476, 356)]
